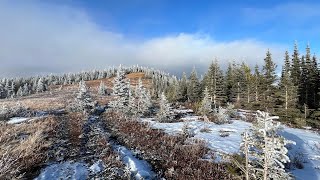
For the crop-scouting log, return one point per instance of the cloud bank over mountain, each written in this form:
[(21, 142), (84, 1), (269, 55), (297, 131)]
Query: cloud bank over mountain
[(38, 38)]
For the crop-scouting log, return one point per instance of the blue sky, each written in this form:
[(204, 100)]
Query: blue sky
[(52, 36), (279, 21)]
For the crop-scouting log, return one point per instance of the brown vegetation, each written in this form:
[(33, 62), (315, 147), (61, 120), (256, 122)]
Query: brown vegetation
[(22, 147), (171, 156)]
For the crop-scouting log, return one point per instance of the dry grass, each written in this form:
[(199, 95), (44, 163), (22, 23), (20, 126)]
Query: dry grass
[(133, 77), (42, 101), (22, 146), (58, 97)]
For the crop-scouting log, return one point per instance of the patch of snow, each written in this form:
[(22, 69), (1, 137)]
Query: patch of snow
[(227, 130), (183, 111), (66, 170), (229, 144), (17, 120), (97, 167), (307, 142), (308, 145), (139, 168), (190, 118)]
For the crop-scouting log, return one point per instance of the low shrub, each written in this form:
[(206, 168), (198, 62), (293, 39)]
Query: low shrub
[(7, 112)]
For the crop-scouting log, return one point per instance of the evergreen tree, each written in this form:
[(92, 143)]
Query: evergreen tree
[(313, 79), (102, 88), (257, 83), (205, 108), (35, 84), (164, 110), (83, 101), (288, 91), (194, 88), (303, 83), (215, 83), (266, 149), (308, 81), (121, 87), (40, 85), (296, 65), (287, 63), (240, 85), (20, 92), (183, 88), (269, 78), (172, 90), (132, 108), (7, 89), (143, 99), (230, 91), (248, 82), (25, 90), (2, 91)]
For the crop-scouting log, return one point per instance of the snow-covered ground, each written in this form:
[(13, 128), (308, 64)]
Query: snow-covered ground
[(307, 148), (229, 144), (66, 170), (307, 142), (140, 169)]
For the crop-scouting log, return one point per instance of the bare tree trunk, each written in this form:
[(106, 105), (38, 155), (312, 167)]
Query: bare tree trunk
[(256, 93), (238, 93), (286, 98), (286, 102), (248, 91), (215, 87), (305, 111)]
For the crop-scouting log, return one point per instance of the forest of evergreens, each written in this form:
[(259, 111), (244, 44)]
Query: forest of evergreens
[(294, 95)]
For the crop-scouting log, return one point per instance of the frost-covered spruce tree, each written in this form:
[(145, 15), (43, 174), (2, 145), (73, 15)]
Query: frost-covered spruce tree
[(83, 101), (121, 86), (40, 85), (164, 110), (143, 99), (267, 151), (148, 100), (132, 108), (2, 91), (20, 92), (12, 89), (9, 88), (25, 89), (102, 88), (221, 115), (205, 108)]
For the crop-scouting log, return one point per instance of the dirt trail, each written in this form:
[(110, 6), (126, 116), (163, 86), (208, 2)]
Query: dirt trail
[(87, 160)]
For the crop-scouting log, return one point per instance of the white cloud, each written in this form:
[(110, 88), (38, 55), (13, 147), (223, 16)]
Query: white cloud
[(44, 38)]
